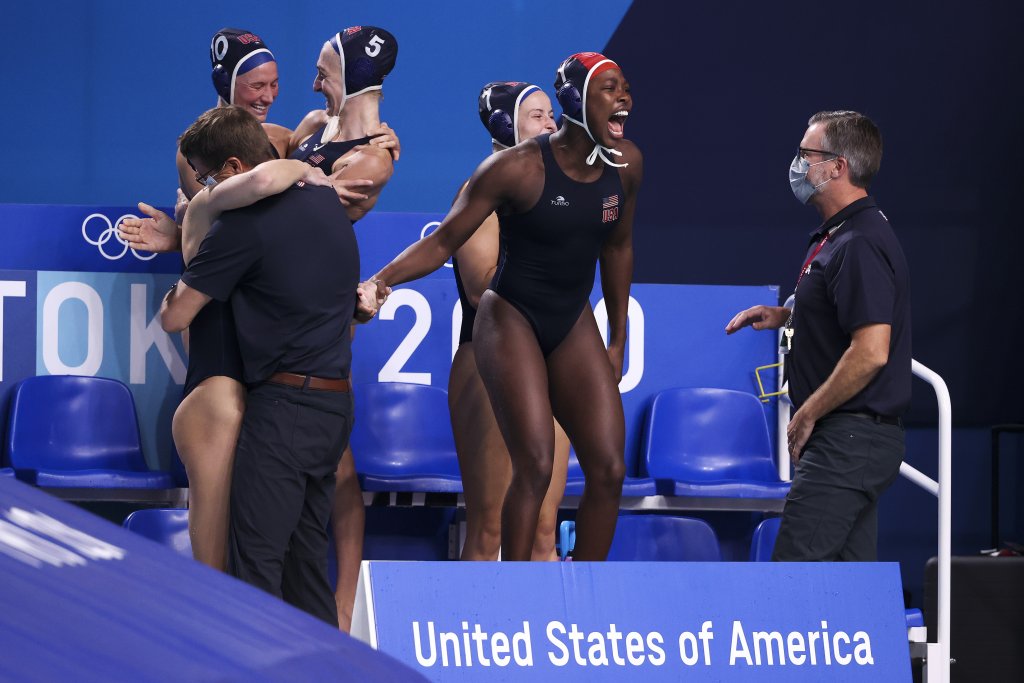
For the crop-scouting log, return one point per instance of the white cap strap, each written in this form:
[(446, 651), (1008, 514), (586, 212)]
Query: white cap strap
[(599, 150)]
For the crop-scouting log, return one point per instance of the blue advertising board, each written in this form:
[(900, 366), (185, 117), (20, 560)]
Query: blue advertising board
[(651, 621), (75, 300)]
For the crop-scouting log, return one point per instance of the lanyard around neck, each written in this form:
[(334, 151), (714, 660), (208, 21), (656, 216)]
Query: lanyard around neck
[(807, 264)]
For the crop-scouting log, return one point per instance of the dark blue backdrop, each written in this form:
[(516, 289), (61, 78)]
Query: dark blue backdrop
[(723, 93)]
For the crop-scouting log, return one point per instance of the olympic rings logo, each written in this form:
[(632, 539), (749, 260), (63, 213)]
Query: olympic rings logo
[(429, 228), (108, 233)]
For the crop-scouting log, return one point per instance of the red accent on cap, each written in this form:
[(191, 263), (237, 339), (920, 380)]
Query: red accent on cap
[(589, 59), (604, 67)]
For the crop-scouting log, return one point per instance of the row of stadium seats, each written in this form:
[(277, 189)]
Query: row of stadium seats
[(696, 443), (82, 432), (641, 537), (670, 538)]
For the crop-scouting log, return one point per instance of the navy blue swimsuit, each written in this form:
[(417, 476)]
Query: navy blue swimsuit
[(324, 154), (468, 312), (548, 255), (212, 345)]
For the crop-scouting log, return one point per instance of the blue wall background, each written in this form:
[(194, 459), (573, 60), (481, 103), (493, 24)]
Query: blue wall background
[(117, 83), (98, 92)]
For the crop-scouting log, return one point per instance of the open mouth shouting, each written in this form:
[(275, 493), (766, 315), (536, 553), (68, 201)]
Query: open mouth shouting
[(616, 123)]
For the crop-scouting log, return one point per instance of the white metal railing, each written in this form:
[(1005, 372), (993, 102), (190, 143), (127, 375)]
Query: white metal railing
[(937, 660)]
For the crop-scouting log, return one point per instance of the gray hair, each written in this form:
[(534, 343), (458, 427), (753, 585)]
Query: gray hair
[(854, 137)]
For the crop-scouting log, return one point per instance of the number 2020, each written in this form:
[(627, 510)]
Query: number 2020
[(392, 370)]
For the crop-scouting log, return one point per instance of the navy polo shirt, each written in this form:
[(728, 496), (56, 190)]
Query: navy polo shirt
[(290, 266), (858, 278)]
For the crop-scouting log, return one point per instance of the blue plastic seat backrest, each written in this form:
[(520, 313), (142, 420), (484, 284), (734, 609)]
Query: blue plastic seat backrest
[(63, 422), (763, 542), (707, 435), (664, 538), (167, 527), (403, 429)]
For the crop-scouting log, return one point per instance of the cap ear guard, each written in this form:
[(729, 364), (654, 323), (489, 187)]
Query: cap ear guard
[(501, 128), (222, 82), (569, 100)]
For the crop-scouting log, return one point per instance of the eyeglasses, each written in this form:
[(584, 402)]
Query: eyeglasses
[(201, 177), (802, 152)]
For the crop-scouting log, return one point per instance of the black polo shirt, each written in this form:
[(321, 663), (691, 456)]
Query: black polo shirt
[(859, 277), (290, 266)]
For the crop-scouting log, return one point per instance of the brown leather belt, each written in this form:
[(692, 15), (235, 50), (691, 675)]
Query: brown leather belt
[(874, 417), (290, 379)]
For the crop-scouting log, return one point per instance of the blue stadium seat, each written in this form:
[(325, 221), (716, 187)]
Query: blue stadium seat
[(664, 538), (402, 439), (763, 543), (167, 527), (77, 432), (654, 538), (710, 443), (632, 485), (7, 472)]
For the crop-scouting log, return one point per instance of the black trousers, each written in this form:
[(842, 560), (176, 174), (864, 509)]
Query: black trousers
[(831, 512), (282, 488)]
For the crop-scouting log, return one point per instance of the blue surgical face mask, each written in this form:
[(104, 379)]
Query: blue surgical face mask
[(209, 181), (803, 188)]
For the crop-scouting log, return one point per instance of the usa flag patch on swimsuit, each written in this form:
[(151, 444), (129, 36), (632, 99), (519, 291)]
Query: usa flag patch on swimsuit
[(610, 209)]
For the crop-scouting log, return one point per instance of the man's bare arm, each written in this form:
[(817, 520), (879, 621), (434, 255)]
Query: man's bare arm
[(863, 359)]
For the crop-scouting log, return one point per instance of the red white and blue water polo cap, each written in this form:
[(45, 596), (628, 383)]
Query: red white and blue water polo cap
[(571, 82), (233, 52), (367, 54), (498, 106)]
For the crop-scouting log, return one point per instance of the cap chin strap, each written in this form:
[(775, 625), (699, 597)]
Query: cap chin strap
[(599, 150), (331, 129), (368, 88), (334, 122)]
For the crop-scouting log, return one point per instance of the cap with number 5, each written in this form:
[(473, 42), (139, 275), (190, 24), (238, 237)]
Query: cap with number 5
[(367, 55)]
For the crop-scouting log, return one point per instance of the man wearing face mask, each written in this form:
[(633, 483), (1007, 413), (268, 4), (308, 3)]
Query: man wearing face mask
[(847, 341)]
